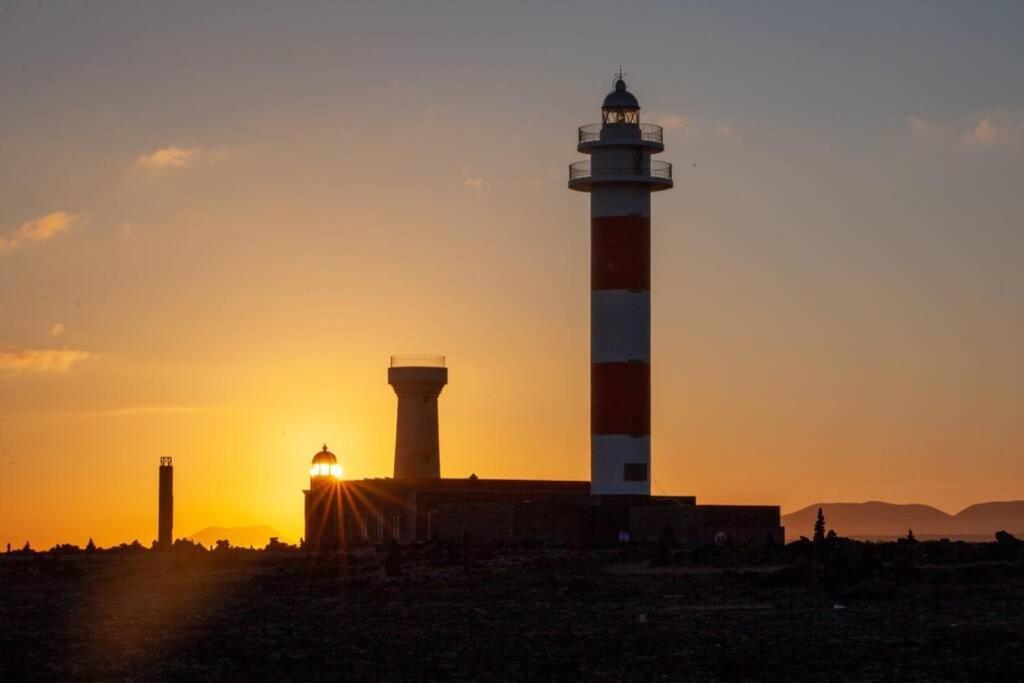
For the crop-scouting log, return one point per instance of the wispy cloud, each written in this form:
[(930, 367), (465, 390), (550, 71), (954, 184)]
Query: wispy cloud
[(920, 125), (987, 129), (40, 229), (167, 158), (473, 183), (57, 330), (142, 410), (152, 410), (685, 127), (670, 121), (40, 360), (993, 129)]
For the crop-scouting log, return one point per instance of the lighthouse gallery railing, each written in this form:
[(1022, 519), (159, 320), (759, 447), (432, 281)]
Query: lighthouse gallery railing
[(587, 169), (649, 132)]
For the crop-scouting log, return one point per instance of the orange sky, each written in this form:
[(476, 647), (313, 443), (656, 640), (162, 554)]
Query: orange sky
[(216, 227)]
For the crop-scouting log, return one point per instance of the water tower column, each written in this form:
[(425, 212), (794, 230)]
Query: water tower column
[(418, 381)]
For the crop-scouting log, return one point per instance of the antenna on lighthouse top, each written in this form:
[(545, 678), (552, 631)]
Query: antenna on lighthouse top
[(621, 75)]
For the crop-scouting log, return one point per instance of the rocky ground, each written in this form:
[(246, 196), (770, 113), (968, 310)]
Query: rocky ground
[(847, 611)]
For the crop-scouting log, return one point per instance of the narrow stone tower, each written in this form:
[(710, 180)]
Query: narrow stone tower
[(620, 177), (165, 523), (418, 381)]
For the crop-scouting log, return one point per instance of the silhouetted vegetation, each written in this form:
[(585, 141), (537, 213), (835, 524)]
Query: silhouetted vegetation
[(65, 548), (185, 545), (275, 545), (1006, 538), (819, 527)]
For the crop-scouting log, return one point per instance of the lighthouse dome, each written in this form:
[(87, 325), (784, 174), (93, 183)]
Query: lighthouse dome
[(325, 466), (324, 457), (620, 98)]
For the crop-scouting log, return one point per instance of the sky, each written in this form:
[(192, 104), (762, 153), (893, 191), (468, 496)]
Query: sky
[(219, 220)]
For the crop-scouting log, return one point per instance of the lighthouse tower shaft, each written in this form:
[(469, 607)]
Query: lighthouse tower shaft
[(620, 177)]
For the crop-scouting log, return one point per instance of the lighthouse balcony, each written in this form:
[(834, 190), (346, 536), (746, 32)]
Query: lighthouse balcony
[(646, 135), (657, 175)]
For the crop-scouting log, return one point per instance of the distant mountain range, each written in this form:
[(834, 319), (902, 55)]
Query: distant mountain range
[(876, 519), (239, 536)]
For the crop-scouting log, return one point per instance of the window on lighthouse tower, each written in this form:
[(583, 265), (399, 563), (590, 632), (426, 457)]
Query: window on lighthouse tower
[(326, 470), (615, 115)]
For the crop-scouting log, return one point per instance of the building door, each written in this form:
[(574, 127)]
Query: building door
[(431, 523)]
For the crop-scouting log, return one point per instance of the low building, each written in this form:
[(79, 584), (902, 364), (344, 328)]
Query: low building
[(564, 513), (418, 506), (462, 510)]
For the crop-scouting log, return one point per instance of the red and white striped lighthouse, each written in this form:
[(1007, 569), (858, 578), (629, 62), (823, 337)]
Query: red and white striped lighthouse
[(620, 176)]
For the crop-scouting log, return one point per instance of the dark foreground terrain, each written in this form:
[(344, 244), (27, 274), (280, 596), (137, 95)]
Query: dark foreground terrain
[(839, 610)]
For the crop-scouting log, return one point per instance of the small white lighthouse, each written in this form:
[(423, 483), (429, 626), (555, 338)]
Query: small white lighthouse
[(620, 177)]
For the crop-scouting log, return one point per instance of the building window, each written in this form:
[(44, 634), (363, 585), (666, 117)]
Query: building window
[(364, 527), (634, 471), (396, 526), (378, 530)]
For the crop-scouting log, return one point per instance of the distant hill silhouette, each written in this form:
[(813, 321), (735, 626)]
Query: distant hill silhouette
[(239, 536), (875, 519), (1007, 516)]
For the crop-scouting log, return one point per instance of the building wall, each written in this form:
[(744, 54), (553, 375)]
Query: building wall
[(651, 522), (375, 511), (323, 513), (480, 510), (743, 524)]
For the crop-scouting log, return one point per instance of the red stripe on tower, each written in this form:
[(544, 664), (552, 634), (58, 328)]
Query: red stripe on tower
[(622, 398), (620, 252)]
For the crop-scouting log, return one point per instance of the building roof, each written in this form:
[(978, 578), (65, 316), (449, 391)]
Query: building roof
[(519, 486)]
